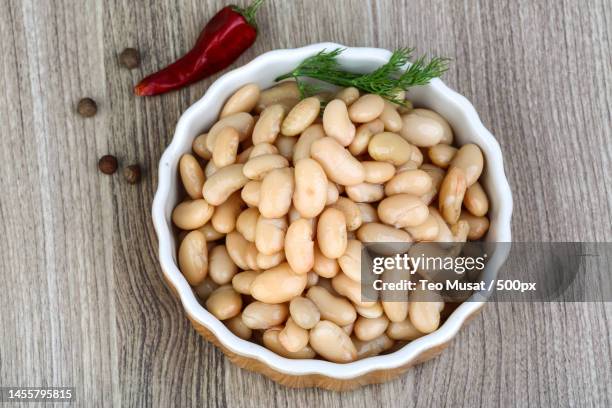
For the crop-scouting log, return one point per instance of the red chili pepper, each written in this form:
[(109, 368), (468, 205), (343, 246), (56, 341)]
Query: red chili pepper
[(227, 35)]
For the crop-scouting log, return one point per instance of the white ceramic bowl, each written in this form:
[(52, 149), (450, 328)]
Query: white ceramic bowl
[(262, 70)]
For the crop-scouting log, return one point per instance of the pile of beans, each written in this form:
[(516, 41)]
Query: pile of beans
[(280, 197)]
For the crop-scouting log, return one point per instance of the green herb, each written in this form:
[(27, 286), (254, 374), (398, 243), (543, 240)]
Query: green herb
[(386, 81)]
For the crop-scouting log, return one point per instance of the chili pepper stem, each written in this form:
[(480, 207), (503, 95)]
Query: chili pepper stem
[(249, 12)]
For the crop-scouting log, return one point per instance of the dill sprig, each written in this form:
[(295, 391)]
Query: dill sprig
[(385, 81)]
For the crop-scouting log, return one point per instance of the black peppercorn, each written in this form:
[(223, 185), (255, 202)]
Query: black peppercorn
[(132, 174), (130, 58), (107, 164), (87, 107)]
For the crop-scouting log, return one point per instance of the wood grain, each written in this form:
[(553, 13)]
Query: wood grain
[(83, 301)]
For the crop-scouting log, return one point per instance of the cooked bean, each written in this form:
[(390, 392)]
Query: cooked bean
[(415, 160), (308, 136), (426, 231), (271, 341), (437, 175), (368, 213), (246, 223), (293, 337), (332, 193), (250, 256), (331, 233), (225, 215), (295, 215), (244, 156), (224, 303), (311, 279), (390, 147), (285, 145), (221, 268), (333, 308), (396, 311), (350, 261), (251, 193), (373, 347), (310, 188), (286, 94), (376, 232), (304, 312), (460, 231), (210, 169), (441, 155), (237, 326), (447, 135), (210, 233), (348, 95), (351, 289), (339, 165), (348, 329), (366, 108), (267, 261), (369, 329), (378, 172), (331, 342), (324, 266), (192, 176), (276, 193), (226, 147), (416, 182), (451, 194), (199, 147), (444, 232), (193, 257), (476, 200), (365, 192), (301, 116), (402, 210), (236, 248), (363, 134), (403, 330), (242, 281), (192, 214), (421, 130), (391, 118), (478, 225), (278, 285), (205, 288), (337, 124), (261, 316), (270, 234), (223, 183), (268, 126), (370, 312), (258, 167), (261, 149), (469, 159), (243, 100), (299, 246), (242, 122), (351, 211), (424, 310)]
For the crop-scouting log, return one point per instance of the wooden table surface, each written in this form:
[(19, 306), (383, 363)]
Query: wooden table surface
[(83, 303)]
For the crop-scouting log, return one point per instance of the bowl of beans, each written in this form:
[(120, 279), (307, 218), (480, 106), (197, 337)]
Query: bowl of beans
[(266, 198)]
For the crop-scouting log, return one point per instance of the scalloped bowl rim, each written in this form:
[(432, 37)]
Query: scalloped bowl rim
[(408, 353)]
